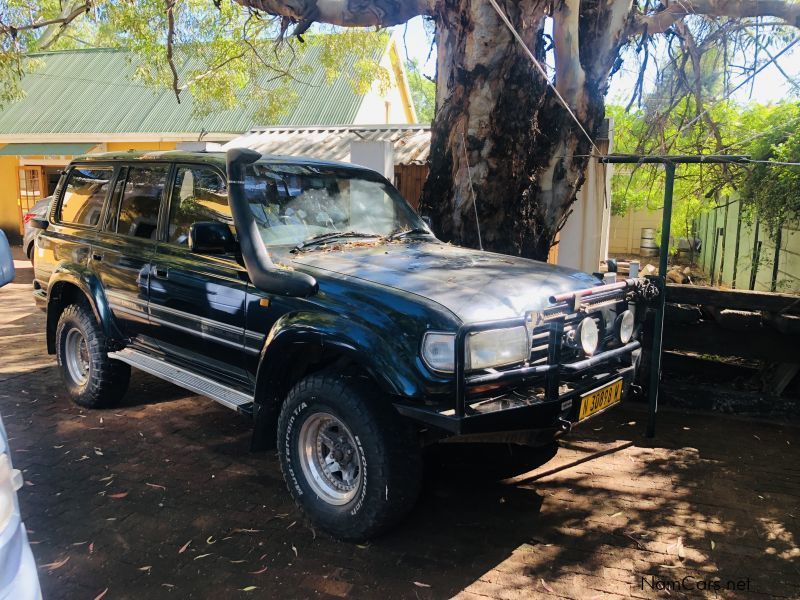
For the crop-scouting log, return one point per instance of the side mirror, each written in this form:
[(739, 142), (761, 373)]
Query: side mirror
[(211, 237), (39, 223)]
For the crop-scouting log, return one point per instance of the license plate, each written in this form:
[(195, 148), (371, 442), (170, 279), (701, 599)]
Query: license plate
[(595, 401)]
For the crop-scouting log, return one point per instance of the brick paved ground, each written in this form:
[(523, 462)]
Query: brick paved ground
[(159, 498)]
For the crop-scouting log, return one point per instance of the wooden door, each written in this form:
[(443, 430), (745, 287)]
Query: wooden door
[(32, 188)]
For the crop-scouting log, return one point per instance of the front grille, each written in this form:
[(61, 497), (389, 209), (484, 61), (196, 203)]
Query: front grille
[(602, 308), (540, 340)]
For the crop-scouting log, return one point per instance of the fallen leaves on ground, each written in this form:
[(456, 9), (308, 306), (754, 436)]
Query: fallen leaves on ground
[(249, 588), (421, 585), (260, 571), (155, 485), (101, 594), (184, 547), (547, 587), (146, 568), (55, 565), (118, 496)]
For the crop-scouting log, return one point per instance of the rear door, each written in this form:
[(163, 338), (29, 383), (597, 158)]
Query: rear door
[(123, 250), (198, 300)]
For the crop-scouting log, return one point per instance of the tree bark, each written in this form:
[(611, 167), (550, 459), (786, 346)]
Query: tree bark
[(500, 122)]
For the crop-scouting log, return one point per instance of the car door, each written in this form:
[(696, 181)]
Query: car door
[(123, 250), (198, 300)]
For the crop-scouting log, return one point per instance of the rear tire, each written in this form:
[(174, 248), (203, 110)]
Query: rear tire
[(351, 463), (93, 380)]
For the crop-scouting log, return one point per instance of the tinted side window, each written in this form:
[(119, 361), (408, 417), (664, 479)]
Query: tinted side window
[(84, 194), (141, 198), (199, 194)]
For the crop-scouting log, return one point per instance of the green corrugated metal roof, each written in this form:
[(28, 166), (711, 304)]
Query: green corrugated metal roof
[(46, 149), (93, 91)]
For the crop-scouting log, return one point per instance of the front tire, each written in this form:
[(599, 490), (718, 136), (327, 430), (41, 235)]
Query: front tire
[(350, 462), (93, 380)]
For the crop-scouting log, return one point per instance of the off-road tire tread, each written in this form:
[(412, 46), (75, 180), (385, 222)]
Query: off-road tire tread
[(109, 378), (402, 468)]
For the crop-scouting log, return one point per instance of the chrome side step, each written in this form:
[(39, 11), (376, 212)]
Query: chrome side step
[(186, 379)]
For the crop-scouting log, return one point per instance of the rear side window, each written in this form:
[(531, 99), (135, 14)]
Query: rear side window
[(199, 194), (141, 198), (85, 191)]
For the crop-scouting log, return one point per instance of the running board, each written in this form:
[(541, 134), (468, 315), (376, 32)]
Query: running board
[(186, 379)]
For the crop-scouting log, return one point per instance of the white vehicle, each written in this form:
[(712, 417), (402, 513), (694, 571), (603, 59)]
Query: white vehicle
[(18, 578)]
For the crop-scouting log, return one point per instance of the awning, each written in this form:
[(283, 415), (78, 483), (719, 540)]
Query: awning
[(46, 149)]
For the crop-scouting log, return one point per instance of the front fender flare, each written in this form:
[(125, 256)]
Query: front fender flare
[(298, 336)]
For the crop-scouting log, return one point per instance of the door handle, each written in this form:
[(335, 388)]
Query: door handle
[(97, 257), (161, 272)]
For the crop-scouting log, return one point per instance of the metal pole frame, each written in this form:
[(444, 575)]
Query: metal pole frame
[(669, 163)]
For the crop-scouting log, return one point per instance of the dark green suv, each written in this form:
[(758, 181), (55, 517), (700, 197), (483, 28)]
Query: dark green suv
[(310, 296)]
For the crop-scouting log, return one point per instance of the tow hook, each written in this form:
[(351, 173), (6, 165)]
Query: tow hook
[(564, 425)]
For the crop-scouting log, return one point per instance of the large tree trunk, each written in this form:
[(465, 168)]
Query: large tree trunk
[(496, 113)]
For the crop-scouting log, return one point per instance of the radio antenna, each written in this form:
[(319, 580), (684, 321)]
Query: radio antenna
[(472, 189)]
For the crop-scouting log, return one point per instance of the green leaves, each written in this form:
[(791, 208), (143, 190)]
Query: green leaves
[(768, 133), (224, 55)]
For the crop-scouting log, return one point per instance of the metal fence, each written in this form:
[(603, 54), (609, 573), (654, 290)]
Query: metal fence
[(742, 253)]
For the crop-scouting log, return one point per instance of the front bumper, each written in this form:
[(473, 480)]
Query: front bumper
[(543, 396), (540, 409)]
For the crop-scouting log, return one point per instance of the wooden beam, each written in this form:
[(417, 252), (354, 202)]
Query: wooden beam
[(707, 337), (735, 299)]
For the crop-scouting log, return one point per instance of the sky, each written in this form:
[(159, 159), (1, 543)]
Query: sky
[(768, 86)]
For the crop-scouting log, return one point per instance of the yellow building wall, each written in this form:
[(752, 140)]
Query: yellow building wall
[(9, 197), (125, 146)]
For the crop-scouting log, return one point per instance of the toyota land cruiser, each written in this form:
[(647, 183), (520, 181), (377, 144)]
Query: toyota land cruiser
[(310, 296)]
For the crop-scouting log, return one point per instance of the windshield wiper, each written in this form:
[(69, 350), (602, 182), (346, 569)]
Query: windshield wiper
[(404, 232), (326, 237)]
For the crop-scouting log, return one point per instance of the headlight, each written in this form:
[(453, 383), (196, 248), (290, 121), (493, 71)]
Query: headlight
[(484, 350), (438, 351), (588, 335), (625, 323), (497, 347)]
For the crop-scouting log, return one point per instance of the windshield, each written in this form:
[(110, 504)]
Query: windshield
[(298, 203)]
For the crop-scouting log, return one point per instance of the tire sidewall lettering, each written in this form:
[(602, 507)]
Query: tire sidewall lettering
[(364, 478), (288, 445)]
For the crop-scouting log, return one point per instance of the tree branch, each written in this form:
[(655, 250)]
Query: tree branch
[(53, 27), (658, 22), (570, 76), (171, 48), (346, 13)]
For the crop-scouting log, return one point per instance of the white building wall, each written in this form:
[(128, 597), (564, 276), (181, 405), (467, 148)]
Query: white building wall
[(389, 107), (584, 239)]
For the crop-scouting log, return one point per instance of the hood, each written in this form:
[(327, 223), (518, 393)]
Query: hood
[(474, 285)]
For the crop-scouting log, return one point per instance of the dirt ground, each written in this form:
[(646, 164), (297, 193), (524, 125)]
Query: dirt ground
[(159, 498)]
